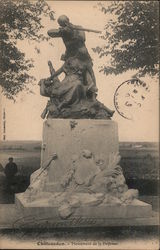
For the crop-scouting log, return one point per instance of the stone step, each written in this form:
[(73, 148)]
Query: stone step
[(10, 219)]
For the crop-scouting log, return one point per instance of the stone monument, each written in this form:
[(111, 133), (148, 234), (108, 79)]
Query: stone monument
[(80, 181)]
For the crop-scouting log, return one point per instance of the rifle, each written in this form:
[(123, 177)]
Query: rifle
[(71, 26), (54, 157), (52, 70), (88, 30)]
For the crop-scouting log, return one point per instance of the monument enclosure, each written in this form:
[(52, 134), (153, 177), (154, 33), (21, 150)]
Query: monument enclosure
[(80, 181)]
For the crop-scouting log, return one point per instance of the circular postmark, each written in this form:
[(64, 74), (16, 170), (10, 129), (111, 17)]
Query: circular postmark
[(129, 97)]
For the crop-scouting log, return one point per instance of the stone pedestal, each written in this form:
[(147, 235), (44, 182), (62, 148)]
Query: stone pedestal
[(69, 138), (80, 177)]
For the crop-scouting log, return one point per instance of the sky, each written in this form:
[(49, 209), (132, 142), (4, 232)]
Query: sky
[(23, 121)]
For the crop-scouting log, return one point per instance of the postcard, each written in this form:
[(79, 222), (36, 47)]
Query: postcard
[(79, 124)]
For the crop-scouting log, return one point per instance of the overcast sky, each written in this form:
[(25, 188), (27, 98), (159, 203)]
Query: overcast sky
[(23, 117)]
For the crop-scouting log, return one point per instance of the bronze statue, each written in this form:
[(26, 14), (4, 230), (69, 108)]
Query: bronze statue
[(73, 38), (75, 95)]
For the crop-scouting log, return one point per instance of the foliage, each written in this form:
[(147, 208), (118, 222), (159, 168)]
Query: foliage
[(19, 20), (130, 37)]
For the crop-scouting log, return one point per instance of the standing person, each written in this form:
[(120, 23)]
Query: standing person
[(10, 170)]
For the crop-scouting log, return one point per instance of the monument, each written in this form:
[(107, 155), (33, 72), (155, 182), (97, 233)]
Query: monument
[(80, 181)]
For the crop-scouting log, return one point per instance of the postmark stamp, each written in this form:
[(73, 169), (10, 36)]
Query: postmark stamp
[(130, 96)]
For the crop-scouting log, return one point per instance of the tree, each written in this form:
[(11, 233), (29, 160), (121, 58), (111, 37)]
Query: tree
[(19, 20), (130, 37)]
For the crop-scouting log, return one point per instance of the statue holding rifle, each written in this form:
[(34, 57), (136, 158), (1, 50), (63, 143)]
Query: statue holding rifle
[(75, 96), (73, 37)]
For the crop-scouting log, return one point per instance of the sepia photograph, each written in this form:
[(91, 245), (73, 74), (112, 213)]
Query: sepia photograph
[(79, 124)]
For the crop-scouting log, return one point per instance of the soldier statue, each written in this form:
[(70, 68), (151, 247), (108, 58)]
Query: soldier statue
[(75, 96), (74, 38)]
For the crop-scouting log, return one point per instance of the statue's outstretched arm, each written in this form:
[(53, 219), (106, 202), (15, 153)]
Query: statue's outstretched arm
[(60, 32), (54, 33)]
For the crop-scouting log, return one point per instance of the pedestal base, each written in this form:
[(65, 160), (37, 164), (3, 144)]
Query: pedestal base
[(40, 214), (80, 181)]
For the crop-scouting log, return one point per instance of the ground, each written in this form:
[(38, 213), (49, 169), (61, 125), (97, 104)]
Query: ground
[(106, 238)]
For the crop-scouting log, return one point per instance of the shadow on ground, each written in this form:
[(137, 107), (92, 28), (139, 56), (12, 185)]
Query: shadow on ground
[(85, 234)]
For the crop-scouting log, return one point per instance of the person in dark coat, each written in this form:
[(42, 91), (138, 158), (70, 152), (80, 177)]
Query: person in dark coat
[(10, 170)]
